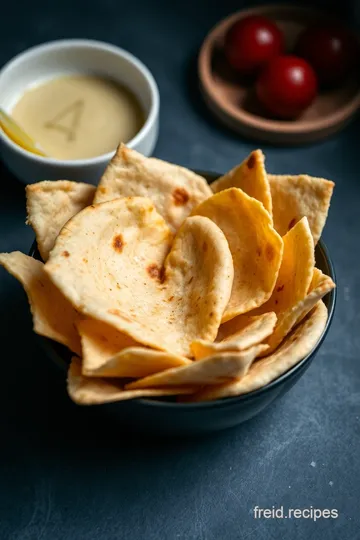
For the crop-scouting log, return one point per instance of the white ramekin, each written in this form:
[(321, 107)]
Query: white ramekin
[(66, 57)]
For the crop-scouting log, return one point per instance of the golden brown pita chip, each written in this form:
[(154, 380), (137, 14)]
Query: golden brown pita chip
[(296, 347), (250, 332), (294, 197), (296, 270), (53, 316), (251, 177), (116, 255), (214, 369), (255, 246), (109, 353), (94, 391), (317, 277), (174, 190), (292, 316), (50, 205)]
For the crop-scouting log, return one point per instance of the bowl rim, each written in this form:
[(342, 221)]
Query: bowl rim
[(151, 117), (248, 119), (229, 401)]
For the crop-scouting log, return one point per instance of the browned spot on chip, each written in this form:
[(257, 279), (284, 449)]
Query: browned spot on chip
[(85, 260), (280, 288), (259, 251), (41, 284), (180, 196), (92, 206), (251, 161), (171, 298), (118, 243), (211, 314), (155, 272), (102, 189), (66, 254), (114, 312), (205, 247), (190, 280), (269, 252), (292, 223)]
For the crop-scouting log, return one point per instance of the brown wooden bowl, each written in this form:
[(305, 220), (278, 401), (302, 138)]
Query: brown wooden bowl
[(235, 104)]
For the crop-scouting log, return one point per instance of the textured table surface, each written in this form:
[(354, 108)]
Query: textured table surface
[(64, 474)]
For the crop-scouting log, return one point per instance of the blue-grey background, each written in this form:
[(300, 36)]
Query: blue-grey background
[(67, 474)]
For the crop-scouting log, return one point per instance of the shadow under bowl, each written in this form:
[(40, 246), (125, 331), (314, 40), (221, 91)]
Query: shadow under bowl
[(169, 418)]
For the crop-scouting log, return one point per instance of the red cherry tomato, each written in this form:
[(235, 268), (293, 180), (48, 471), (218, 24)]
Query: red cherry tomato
[(287, 86), (251, 43), (332, 52)]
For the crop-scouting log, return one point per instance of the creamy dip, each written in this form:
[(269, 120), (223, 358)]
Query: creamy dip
[(77, 117)]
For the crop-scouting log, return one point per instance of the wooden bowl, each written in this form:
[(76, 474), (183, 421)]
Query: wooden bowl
[(235, 104)]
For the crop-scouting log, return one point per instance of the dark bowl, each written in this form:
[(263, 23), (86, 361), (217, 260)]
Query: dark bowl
[(161, 417)]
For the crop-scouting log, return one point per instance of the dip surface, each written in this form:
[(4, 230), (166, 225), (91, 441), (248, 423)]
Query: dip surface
[(79, 117)]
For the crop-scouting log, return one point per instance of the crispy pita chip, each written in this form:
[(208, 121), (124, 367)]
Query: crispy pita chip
[(250, 332), (255, 246), (211, 370), (115, 253), (50, 205), (174, 190), (322, 285), (296, 270), (294, 197), (251, 177), (53, 316), (317, 277), (109, 353), (94, 391), (296, 347)]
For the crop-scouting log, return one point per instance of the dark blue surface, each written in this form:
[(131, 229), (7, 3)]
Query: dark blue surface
[(64, 474)]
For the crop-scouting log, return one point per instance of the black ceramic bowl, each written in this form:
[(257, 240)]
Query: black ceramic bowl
[(171, 418)]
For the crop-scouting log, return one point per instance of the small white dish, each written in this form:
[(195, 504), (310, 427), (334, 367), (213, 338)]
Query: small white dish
[(68, 57)]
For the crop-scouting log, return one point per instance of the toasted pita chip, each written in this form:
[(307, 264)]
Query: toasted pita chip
[(250, 332), (109, 353), (294, 197), (317, 277), (322, 285), (174, 190), (50, 205), (94, 391), (296, 270), (214, 369), (53, 316), (115, 254), (255, 246), (296, 347), (251, 177)]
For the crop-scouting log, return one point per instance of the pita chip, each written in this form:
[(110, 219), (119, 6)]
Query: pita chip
[(214, 369), (106, 352), (296, 347), (126, 272), (95, 391), (322, 285), (294, 197), (251, 177), (255, 246), (50, 204), (174, 190), (250, 331), (53, 316)]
